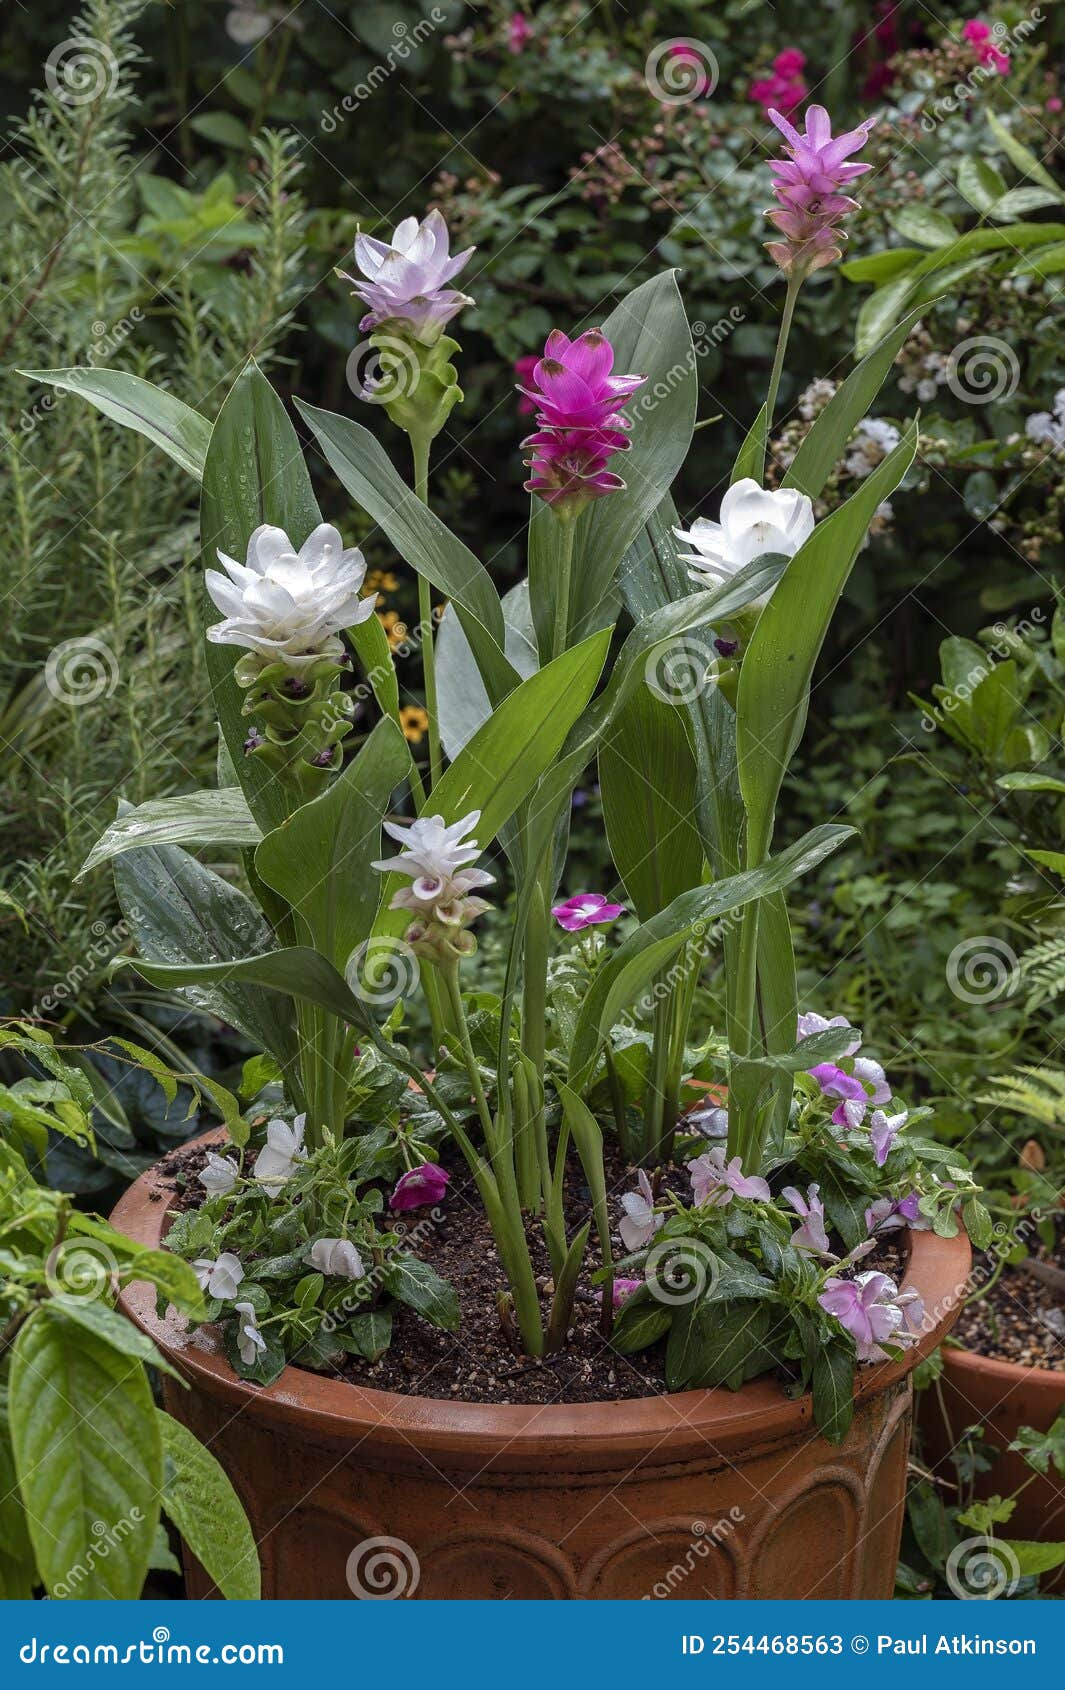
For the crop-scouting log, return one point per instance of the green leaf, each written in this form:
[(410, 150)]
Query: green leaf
[(640, 1321), (199, 1499), (295, 972), (922, 224), (419, 536), (979, 182), (373, 654), (254, 473), (589, 1142), (87, 1450), (215, 817), (1019, 201), (1054, 860), (750, 459), (647, 780), (319, 859), (1033, 1558), (629, 970), (1019, 155), (139, 405), (566, 1277), (462, 701), (418, 1285), (833, 1391), (367, 1335), (778, 665), (1025, 780), (170, 1275), (113, 1328)]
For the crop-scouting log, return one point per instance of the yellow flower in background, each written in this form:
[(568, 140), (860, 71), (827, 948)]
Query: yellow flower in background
[(382, 581), (415, 723), (394, 627)]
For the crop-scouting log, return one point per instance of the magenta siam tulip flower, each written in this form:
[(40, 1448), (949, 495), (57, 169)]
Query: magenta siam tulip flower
[(404, 281), (579, 424), (785, 86), (811, 1235), (808, 186), (519, 32), (525, 370), (420, 1186), (981, 37), (586, 909), (716, 1182), (888, 1214), (873, 1310)]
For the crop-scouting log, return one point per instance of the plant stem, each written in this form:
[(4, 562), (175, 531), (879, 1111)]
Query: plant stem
[(450, 976), (794, 284), (420, 449), (565, 571)]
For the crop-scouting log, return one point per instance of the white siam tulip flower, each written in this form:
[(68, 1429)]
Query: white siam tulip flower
[(250, 1341), (280, 1155), (337, 1258), (219, 1176), (435, 857), (287, 604), (220, 1278), (405, 280), (754, 522)]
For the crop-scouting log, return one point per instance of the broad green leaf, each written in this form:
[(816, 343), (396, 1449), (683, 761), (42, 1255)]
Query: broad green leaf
[(1020, 156), (319, 859), (1019, 201), (295, 972), (1045, 261), (367, 1335), (1031, 1558), (777, 668), (880, 266), (373, 654), (419, 1285), (87, 1449), (199, 1498), (750, 459), (626, 972), (1054, 860), (113, 1328), (254, 473), (833, 1391), (462, 701), (640, 1321), (979, 182), (922, 224), (1024, 780), (180, 912), (647, 780), (215, 817), (422, 540), (170, 1275), (140, 405), (17, 1564)]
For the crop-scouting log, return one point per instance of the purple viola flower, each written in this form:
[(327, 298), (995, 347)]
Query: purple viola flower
[(403, 281), (856, 1091), (811, 1235), (715, 1182), (883, 1131), (586, 909), (420, 1186), (640, 1223), (888, 1214), (579, 419), (807, 184), (873, 1310)]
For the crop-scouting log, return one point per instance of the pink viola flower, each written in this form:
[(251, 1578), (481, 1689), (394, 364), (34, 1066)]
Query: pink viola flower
[(586, 909), (580, 425), (419, 1187), (640, 1223), (716, 1182), (981, 37), (808, 184), (874, 1311), (519, 32), (811, 1235), (624, 1288), (785, 86), (883, 1131), (888, 1214)]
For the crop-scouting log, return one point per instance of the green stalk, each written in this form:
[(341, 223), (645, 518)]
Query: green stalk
[(565, 571), (420, 448), (794, 284)]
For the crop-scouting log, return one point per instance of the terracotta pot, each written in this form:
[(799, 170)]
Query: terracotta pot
[(700, 1494), (1001, 1396)]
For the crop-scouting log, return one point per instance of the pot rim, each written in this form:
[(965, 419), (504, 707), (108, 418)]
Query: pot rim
[(654, 1430), (961, 1358)]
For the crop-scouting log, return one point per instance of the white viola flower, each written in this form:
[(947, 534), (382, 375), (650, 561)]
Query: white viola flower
[(405, 280), (250, 1341), (219, 1175), (280, 1155), (640, 1223), (435, 857), (754, 522), (1047, 428), (220, 1278), (337, 1258), (287, 604)]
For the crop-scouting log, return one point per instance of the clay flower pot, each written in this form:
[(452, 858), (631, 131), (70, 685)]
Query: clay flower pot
[(1002, 1396), (357, 1492)]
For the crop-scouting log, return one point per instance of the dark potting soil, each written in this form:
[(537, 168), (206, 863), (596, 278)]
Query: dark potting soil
[(482, 1362), (1022, 1317)]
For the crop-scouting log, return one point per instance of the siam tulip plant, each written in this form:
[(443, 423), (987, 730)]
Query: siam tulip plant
[(768, 1155)]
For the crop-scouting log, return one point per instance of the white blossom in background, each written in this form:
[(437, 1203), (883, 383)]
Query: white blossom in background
[(247, 24), (754, 522), (1047, 428), (404, 280), (873, 440), (436, 856), (250, 1341), (219, 1175), (220, 1278), (813, 399), (282, 1153), (337, 1258), (287, 604)]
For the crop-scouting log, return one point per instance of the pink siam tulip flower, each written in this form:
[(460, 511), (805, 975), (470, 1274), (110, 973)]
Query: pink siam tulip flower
[(808, 187), (785, 86), (981, 37), (586, 909), (811, 1235), (579, 420), (519, 32), (715, 1182), (873, 1310), (419, 1187), (525, 370)]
